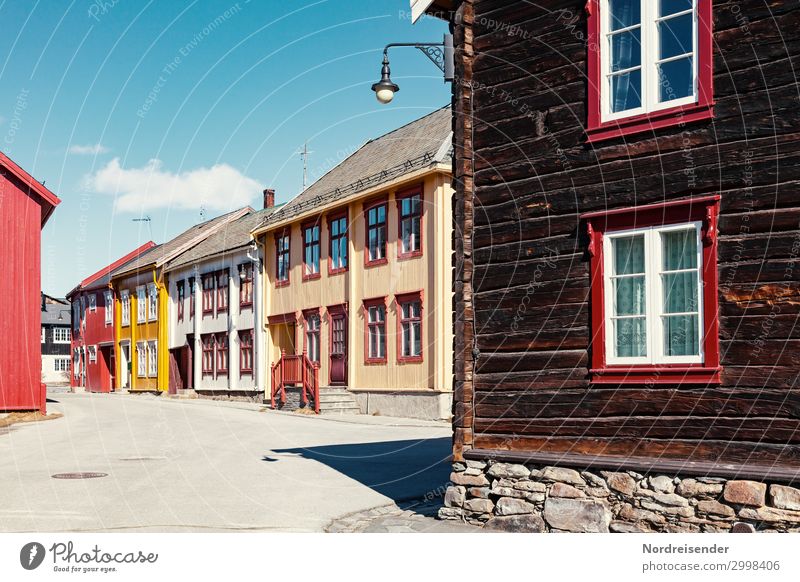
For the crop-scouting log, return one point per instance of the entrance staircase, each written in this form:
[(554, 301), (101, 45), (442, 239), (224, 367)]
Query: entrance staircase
[(295, 385), (336, 400)]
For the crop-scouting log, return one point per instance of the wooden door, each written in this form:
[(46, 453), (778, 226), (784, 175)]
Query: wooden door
[(338, 355)]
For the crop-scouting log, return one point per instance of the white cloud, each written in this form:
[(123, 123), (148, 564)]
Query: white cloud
[(88, 150), (221, 187)]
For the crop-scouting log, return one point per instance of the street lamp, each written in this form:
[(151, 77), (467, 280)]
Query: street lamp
[(440, 54)]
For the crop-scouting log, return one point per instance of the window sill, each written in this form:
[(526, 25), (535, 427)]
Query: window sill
[(246, 305), (312, 277), (666, 374), (410, 360), (245, 373), (411, 255), (337, 271), (649, 121), (282, 283), (375, 362), (375, 263)]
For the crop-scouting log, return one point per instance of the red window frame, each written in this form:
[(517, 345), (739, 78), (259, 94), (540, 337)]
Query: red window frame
[(703, 108), (222, 291), (399, 198), (400, 300), (181, 298), (208, 292), (331, 240), (304, 228), (307, 313), (208, 342), (368, 326), (191, 297), (701, 209), (287, 234), (246, 285), (246, 352), (382, 201), (221, 348)]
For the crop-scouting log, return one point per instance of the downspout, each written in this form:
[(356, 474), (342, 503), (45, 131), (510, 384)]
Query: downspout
[(258, 328), (197, 353), (162, 373)]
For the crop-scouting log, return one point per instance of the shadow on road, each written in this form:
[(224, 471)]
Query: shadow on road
[(401, 470)]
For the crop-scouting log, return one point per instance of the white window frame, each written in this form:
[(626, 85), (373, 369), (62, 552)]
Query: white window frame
[(44, 334), (92, 354), (152, 359), (109, 307), (141, 359), (152, 302), (653, 296), (141, 304), (61, 364), (62, 335), (125, 306), (649, 65), (92, 302)]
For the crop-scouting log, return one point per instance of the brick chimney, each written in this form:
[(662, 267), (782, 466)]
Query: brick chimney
[(269, 198)]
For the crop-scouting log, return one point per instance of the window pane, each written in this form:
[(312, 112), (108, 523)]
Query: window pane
[(676, 79), (624, 13), (626, 50), (674, 6), (628, 255), (626, 91), (676, 36), (679, 249), (680, 292), (629, 296), (631, 337), (417, 340), (681, 336), (381, 213)]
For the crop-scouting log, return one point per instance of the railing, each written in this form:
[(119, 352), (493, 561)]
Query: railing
[(295, 370)]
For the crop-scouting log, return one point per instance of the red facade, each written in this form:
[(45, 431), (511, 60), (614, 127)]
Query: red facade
[(93, 328), (25, 206)]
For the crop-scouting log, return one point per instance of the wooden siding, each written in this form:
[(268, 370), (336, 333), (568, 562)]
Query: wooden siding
[(522, 271)]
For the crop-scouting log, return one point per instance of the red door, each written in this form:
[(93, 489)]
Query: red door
[(338, 349)]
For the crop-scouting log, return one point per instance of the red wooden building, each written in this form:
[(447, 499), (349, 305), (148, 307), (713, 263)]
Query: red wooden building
[(93, 327), (25, 206)]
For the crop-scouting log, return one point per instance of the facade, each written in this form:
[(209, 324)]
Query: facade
[(358, 274), (92, 347), (141, 304), (25, 206), (56, 335), (215, 300), (625, 284)]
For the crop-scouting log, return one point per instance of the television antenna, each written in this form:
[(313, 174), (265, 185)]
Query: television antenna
[(304, 153)]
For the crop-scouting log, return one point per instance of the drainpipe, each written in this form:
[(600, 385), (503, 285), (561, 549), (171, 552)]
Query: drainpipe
[(258, 328), (197, 351), (232, 327)]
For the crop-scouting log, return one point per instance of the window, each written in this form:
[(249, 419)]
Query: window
[(654, 293), (61, 335), (141, 359), (282, 258), (222, 354), (649, 65), (192, 294), (208, 341), (376, 234), (246, 352), (61, 364), (125, 301), (222, 291), (181, 292), (337, 253), (44, 334), (76, 315), (311, 252), (312, 335), (109, 307), (92, 354), (376, 330), (141, 305), (83, 309), (208, 294), (76, 367), (152, 302), (409, 307), (409, 215), (92, 302), (246, 285), (152, 359)]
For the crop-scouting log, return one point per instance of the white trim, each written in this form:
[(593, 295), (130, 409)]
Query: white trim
[(141, 304), (92, 302), (125, 306), (108, 298)]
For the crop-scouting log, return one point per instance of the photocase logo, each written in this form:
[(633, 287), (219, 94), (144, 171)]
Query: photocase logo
[(31, 555)]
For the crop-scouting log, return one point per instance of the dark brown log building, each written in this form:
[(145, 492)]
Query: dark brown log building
[(627, 284)]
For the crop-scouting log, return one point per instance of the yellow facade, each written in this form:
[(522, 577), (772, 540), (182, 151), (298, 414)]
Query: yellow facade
[(130, 337), (430, 274)]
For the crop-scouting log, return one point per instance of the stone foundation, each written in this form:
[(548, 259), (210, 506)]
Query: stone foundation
[(535, 498)]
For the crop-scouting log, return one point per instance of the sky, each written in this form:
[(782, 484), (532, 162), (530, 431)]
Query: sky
[(176, 110)]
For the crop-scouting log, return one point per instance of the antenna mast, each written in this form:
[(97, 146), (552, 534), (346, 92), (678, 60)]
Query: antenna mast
[(304, 155)]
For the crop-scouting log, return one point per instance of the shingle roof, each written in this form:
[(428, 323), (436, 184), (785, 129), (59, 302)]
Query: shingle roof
[(171, 249), (419, 144), (52, 311), (232, 237)]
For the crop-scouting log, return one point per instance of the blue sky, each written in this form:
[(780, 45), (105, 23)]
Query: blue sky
[(130, 108)]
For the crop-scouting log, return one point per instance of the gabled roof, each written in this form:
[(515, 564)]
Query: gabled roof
[(232, 237), (162, 254), (422, 143), (102, 277), (47, 200), (57, 313)]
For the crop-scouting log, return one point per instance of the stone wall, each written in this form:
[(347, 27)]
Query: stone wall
[(530, 498)]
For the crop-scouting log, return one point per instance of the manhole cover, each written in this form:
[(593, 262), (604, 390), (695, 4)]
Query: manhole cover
[(79, 475)]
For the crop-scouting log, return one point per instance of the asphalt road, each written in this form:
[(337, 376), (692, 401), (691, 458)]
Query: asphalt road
[(180, 465)]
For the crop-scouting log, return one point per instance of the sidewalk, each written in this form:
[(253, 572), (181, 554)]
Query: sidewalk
[(409, 517)]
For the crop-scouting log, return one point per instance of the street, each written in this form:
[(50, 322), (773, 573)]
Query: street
[(200, 465)]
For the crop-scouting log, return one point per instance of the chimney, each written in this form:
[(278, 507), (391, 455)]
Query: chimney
[(269, 198)]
